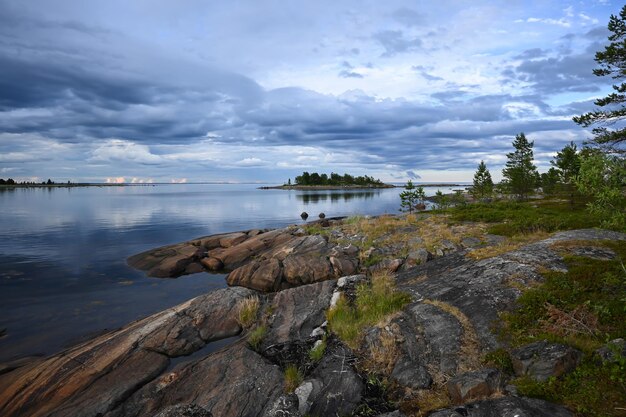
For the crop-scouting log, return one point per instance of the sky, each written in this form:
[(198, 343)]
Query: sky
[(262, 90)]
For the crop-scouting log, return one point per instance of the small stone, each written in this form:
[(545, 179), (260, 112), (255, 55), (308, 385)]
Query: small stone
[(304, 215), (322, 216), (542, 360), (475, 385), (318, 332), (418, 257), (335, 299), (349, 279), (612, 350)]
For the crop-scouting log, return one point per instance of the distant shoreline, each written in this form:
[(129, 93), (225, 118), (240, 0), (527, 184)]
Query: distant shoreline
[(4, 186), (326, 187), (350, 187)]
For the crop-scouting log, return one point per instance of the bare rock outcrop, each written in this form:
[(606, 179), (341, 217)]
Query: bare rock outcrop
[(266, 261), (96, 376)]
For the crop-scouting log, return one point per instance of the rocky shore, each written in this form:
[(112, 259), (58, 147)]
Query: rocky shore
[(435, 342)]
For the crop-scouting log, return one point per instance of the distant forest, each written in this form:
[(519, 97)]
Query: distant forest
[(333, 179)]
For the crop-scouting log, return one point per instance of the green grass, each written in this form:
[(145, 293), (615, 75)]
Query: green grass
[(256, 336), (374, 302), (317, 353), (516, 218), (584, 307), (293, 378)]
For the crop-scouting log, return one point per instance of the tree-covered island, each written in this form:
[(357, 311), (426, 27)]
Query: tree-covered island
[(318, 181)]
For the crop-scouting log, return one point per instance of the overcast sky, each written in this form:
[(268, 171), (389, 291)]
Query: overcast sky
[(155, 90)]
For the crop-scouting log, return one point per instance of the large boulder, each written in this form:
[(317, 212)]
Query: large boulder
[(542, 360), (235, 381), (95, 376)]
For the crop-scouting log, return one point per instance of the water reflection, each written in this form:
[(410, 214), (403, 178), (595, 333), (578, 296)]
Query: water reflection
[(335, 197)]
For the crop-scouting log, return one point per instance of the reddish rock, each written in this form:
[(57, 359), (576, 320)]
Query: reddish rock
[(262, 276), (212, 264), (306, 269), (233, 239)]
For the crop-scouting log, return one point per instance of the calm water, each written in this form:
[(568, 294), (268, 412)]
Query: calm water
[(63, 272)]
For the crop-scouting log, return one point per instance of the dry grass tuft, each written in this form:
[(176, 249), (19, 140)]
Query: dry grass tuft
[(293, 378), (247, 311), (422, 402), (470, 356), (381, 357)]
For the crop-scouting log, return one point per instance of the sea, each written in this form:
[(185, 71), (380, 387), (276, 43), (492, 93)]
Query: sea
[(63, 251)]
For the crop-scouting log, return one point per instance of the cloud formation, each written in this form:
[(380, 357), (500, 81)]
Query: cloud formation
[(208, 92)]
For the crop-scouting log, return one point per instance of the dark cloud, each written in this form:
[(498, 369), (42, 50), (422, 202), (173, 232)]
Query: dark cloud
[(552, 75), (531, 54), (395, 42)]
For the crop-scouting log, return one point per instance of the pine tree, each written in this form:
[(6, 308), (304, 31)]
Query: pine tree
[(567, 162), (483, 184), (520, 174), (409, 198), (613, 63)]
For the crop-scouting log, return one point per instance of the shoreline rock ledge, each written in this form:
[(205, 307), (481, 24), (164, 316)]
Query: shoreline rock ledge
[(263, 260), (439, 336)]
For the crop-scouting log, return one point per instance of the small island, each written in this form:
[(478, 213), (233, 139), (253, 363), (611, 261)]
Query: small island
[(334, 181)]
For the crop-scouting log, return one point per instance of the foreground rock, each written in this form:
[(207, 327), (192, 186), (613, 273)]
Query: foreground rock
[(438, 338), (262, 260), (96, 376)]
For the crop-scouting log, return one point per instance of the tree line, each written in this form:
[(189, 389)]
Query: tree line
[(596, 172), (11, 181), (334, 179)]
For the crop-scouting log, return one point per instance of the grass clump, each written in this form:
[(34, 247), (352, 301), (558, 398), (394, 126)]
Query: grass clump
[(247, 311), (256, 336), (317, 352), (374, 302), (293, 378), (583, 307)]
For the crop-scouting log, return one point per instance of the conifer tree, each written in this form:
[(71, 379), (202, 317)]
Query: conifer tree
[(567, 162), (520, 174), (483, 184), (611, 133), (409, 198)]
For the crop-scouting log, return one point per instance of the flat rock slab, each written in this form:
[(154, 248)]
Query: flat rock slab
[(234, 382), (480, 289), (506, 407), (298, 311), (96, 376)]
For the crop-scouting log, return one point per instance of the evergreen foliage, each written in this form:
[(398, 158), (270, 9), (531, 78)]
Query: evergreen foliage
[(520, 174), (602, 177), (409, 198), (612, 63), (483, 184), (335, 179)]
